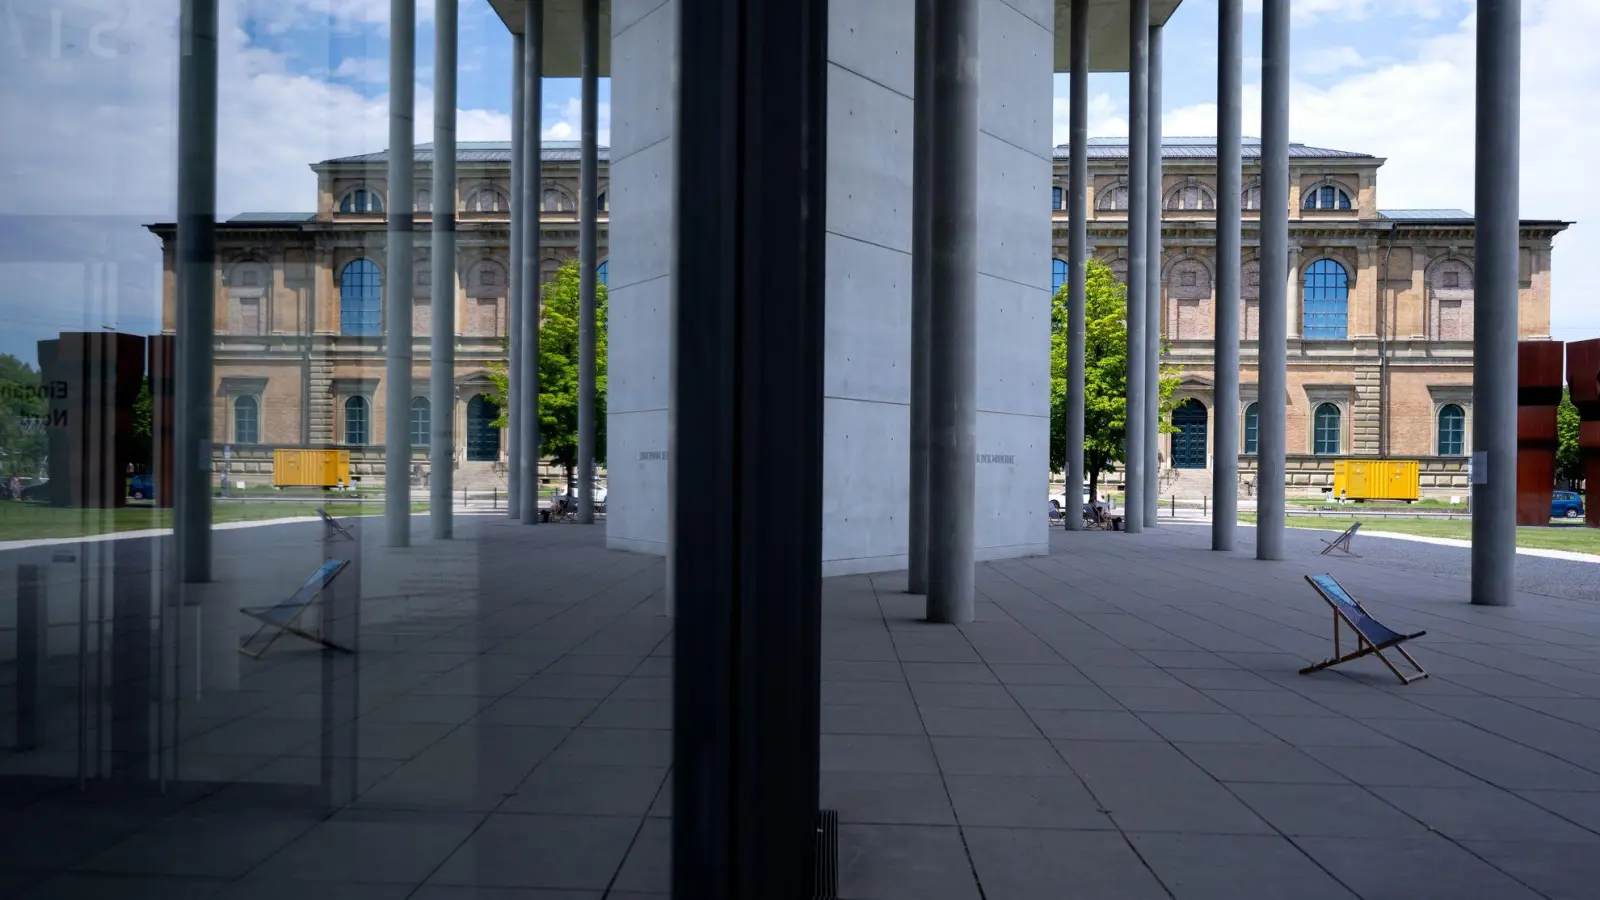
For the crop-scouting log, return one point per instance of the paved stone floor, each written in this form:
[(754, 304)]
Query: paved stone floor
[(1123, 721)]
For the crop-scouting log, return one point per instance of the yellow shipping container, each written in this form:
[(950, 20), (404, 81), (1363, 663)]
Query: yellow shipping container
[(1377, 479), (310, 468)]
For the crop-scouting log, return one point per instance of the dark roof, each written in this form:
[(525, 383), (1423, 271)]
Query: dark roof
[(1202, 148), (476, 152), (1426, 214), (271, 218)]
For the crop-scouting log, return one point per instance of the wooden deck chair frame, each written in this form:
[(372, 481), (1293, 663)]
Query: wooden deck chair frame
[(1342, 542), (1364, 645), (290, 611), (332, 524)]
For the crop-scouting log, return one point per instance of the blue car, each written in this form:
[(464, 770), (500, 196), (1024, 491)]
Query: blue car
[(1566, 505), (141, 487)]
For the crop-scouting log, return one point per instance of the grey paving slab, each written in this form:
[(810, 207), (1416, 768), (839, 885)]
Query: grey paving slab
[(1272, 763), (374, 847), (648, 866), (592, 790), (1092, 725), (1429, 867), (262, 886), (1552, 869), (889, 862), (1222, 728), (1026, 864), (877, 753), (887, 798), (1485, 814), (997, 756), (1326, 810), (897, 719), (512, 850), (1025, 801), (1008, 722), (123, 887), (1232, 866)]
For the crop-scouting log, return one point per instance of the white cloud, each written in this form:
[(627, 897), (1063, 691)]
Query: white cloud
[(366, 70), (568, 124), (1328, 60), (1309, 12), (1105, 117)]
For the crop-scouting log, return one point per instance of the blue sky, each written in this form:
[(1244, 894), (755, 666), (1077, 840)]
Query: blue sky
[(304, 80)]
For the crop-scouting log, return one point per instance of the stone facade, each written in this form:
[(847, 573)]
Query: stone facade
[(1380, 306), (296, 343)]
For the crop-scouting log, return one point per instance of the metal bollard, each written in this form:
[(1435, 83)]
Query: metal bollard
[(1173, 506)]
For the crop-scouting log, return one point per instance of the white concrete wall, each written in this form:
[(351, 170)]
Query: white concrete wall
[(643, 49), (867, 373)]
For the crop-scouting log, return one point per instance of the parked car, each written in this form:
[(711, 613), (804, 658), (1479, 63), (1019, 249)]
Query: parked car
[(141, 487), (1058, 500), (1566, 505)]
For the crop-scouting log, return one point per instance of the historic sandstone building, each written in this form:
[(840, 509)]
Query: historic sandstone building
[(1380, 311), (1380, 318)]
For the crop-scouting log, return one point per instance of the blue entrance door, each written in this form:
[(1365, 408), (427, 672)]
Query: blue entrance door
[(1189, 441), (483, 439)]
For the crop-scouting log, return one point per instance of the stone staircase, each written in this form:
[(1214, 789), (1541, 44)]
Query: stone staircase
[(480, 476), (1185, 484)]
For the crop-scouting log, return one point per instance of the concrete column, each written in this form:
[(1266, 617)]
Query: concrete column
[(922, 197), (1494, 318), (197, 293), (588, 255), (1273, 364), (1152, 322), (519, 211), (953, 419), (1138, 260), (442, 343), (401, 251), (527, 322), (1225, 408), (1077, 253)]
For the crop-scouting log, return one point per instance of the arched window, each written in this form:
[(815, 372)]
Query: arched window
[(1058, 275), (1058, 198), (1188, 197), (602, 203), (558, 201), (1450, 301), (1327, 196), (488, 200), (1114, 197), (361, 299), (1252, 428), (355, 421), (1250, 197), (1452, 430), (246, 421), (600, 273), (1325, 430), (421, 421), (1326, 301), (424, 201), (1189, 440), (362, 200)]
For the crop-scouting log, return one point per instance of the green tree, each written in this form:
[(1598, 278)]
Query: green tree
[(1105, 406), (23, 411), (1569, 467), (558, 372)]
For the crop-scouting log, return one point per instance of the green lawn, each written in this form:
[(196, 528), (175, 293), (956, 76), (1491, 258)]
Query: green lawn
[(27, 521), (1573, 538)]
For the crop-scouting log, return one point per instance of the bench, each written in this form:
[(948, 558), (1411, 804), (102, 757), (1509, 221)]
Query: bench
[(1342, 542), (1372, 636), (284, 618)]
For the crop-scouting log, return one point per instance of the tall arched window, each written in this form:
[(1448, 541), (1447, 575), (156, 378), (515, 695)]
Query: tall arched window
[(488, 200), (601, 273), (1114, 197), (1252, 428), (421, 421), (361, 299), (1250, 300), (1452, 430), (1058, 275), (1325, 430), (1188, 289), (1058, 198), (246, 421), (1327, 301), (603, 202), (356, 421), (1190, 197), (1327, 196), (361, 200), (557, 200)]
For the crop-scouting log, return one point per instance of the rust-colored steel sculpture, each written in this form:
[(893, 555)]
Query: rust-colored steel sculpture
[(1539, 379), (92, 379), (1583, 380)]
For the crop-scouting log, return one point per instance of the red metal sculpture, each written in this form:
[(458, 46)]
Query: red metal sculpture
[(1583, 380), (1538, 399)]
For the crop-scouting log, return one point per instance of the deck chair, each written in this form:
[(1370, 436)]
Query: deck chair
[(1342, 542), (1371, 636), (332, 526), (563, 509), (284, 618)]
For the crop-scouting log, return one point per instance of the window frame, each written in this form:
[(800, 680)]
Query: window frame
[(1250, 429), (1060, 274), (1317, 429), (1439, 431), (1342, 198), (344, 420), (255, 415), (427, 420), (1323, 331), (373, 280), (376, 206)]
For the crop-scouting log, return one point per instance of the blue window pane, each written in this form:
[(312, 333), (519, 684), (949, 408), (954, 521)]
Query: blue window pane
[(1344, 200), (1325, 430), (361, 299), (1058, 275), (1452, 430), (1058, 198), (421, 421), (600, 273), (246, 421), (1252, 428), (355, 421), (1327, 301)]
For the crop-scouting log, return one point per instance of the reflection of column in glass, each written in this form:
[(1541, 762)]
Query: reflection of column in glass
[(442, 344), (402, 253), (527, 403), (589, 262), (341, 675), (1225, 411), (32, 615)]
